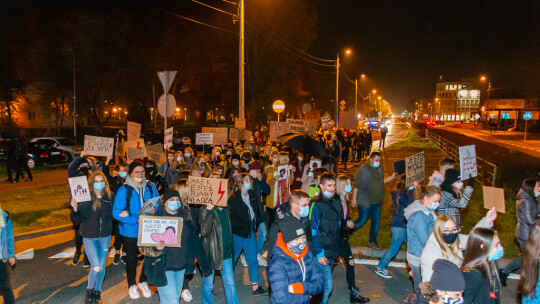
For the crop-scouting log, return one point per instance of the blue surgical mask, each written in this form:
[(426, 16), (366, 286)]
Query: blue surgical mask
[(236, 163), (304, 211), (247, 186), (274, 160), (348, 189), (411, 188), (433, 206), (536, 194), (499, 252), (123, 175), (376, 164), (99, 186), (173, 205), (328, 194), (203, 164)]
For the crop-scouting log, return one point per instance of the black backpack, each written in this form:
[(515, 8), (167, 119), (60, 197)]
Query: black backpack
[(129, 193)]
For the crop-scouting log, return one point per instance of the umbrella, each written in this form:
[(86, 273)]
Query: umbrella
[(303, 143)]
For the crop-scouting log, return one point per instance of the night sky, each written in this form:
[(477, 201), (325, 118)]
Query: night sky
[(404, 46)]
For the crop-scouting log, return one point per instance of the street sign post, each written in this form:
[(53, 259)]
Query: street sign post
[(278, 106), (527, 116), (166, 78)]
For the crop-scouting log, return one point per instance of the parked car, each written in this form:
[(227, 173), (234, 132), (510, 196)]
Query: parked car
[(73, 150), (373, 124), (42, 154)]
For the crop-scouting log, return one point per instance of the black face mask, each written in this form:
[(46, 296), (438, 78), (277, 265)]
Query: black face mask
[(450, 238), (229, 156)]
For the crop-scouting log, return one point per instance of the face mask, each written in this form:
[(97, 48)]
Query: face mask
[(98, 186), (250, 148), (123, 175), (229, 156), (327, 194), (246, 160), (235, 163), (300, 159), (411, 188), (217, 153), (253, 174), (304, 211), (433, 206), (348, 189), (173, 205), (202, 164), (450, 238), (138, 179), (234, 176), (297, 247), (188, 154), (376, 164), (179, 158), (448, 300), (149, 170), (536, 194), (274, 160), (459, 185), (499, 252), (247, 186)]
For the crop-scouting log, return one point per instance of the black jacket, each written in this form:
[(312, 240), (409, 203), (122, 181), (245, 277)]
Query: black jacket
[(94, 224), (478, 290), (527, 214), (327, 220), (114, 182), (239, 214), (283, 212)]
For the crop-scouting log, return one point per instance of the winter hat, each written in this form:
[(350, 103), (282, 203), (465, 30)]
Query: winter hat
[(235, 156), (134, 165), (291, 229), (447, 276), (169, 193), (451, 176), (255, 165)]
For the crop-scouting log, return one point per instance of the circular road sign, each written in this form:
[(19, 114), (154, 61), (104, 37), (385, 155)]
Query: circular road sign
[(527, 115), (166, 110), (278, 106), (306, 108)]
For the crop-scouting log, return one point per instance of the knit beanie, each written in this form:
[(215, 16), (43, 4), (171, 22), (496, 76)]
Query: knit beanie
[(291, 229), (447, 276), (255, 165), (451, 176), (170, 193), (134, 165)]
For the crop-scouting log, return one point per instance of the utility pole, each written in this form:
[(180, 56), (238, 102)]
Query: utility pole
[(241, 62), (337, 89), (356, 96)]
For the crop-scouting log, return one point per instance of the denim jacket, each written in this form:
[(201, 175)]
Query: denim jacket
[(7, 241), (420, 222)]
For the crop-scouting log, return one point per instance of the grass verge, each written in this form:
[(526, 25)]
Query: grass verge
[(40, 169)]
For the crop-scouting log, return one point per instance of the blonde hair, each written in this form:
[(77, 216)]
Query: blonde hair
[(341, 182), (106, 190), (448, 250), (240, 180), (183, 189), (283, 158)]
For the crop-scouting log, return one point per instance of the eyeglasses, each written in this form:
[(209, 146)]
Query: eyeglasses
[(138, 172), (455, 230)]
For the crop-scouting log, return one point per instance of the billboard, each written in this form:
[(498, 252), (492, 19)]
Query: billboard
[(468, 94)]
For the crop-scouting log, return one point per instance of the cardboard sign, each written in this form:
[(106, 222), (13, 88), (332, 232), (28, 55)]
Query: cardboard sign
[(375, 135), (156, 229), (221, 135), (247, 134), (415, 169), (240, 123), (348, 120), (467, 162), (278, 128), (235, 134), (494, 197), (313, 164), (204, 138), (135, 149), (168, 138), (149, 205), (399, 167), (98, 146), (283, 172), (204, 191), (326, 122), (133, 131), (79, 188), (296, 125), (156, 153), (311, 126)]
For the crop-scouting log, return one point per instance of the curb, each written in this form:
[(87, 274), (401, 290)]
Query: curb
[(42, 232)]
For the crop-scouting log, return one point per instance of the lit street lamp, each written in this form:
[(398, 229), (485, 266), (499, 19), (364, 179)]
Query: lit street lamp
[(337, 84)]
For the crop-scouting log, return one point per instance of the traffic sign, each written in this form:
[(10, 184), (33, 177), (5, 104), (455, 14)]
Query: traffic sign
[(278, 106), (166, 105), (343, 102), (342, 108), (527, 115), (166, 78), (477, 116), (306, 108)]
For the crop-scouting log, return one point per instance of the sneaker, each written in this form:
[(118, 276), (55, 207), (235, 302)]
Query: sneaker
[(116, 260), (123, 259), (243, 260), (262, 261), (375, 246), (134, 292), (186, 295), (75, 259), (260, 292), (383, 273), (86, 262), (147, 293), (29, 180)]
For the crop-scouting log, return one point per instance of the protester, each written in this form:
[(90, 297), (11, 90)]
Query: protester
[(308, 173), (479, 269), (445, 286), (120, 148), (155, 177), (200, 167), (11, 164), (234, 164), (7, 254), (21, 157), (334, 153), (453, 196), (402, 197), (368, 141), (384, 131), (189, 158), (293, 276), (129, 200), (447, 243), (261, 189), (300, 164), (368, 194), (359, 145), (345, 149), (420, 218), (438, 176), (232, 184), (244, 213), (529, 286), (314, 189), (95, 220), (171, 167), (279, 188), (527, 214)]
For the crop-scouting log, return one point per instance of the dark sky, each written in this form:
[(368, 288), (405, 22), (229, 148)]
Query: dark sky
[(403, 46)]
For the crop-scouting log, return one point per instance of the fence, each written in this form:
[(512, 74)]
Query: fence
[(487, 172)]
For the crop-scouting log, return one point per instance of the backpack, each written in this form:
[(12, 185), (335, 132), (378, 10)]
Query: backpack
[(129, 193)]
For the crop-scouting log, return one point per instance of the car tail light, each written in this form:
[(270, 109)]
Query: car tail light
[(44, 154)]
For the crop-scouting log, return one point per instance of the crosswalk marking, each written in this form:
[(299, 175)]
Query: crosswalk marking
[(25, 255), (68, 253)]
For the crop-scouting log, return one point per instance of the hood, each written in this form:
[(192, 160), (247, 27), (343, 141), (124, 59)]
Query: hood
[(414, 207), (283, 246), (130, 182)]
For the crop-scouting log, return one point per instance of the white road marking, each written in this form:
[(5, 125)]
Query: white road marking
[(68, 253)]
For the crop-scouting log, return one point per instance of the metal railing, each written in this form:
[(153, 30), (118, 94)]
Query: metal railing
[(487, 172)]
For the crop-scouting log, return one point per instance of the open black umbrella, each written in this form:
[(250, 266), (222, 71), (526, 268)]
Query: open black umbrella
[(303, 143)]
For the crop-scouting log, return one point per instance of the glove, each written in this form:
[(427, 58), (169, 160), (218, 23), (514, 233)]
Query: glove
[(470, 182)]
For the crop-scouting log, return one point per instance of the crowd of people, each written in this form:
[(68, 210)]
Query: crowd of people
[(294, 228)]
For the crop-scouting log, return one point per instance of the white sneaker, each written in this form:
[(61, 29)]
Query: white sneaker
[(147, 293), (243, 260), (134, 292), (262, 261), (186, 295)]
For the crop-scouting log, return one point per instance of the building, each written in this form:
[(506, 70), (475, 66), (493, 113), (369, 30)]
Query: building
[(509, 112), (457, 101)]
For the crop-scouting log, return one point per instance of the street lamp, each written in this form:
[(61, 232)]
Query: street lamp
[(348, 51)]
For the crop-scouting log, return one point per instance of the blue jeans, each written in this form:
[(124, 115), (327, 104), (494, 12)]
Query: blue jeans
[(227, 276), (326, 273), (374, 210), (249, 246), (399, 235), (261, 237), (170, 293), (417, 275), (96, 249)]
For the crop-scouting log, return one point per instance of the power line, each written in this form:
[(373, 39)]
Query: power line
[(215, 8)]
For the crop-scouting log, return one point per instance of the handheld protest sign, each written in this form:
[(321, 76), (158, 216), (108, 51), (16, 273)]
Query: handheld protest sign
[(155, 152), (204, 138), (399, 167), (156, 229), (149, 205), (220, 136), (240, 123), (79, 188), (283, 172), (297, 125), (326, 122), (205, 191), (278, 128), (135, 149), (494, 197), (98, 146), (415, 169), (133, 131), (168, 138), (467, 162)]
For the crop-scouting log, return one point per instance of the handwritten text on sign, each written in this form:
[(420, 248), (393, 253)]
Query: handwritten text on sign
[(326, 122), (98, 146), (415, 168), (156, 229), (79, 188), (467, 162), (204, 191)]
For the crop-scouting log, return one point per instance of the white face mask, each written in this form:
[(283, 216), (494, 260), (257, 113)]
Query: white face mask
[(459, 185), (179, 158), (138, 179)]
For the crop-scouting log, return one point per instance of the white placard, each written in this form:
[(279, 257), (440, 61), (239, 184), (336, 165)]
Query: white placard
[(415, 168), (204, 138), (296, 125), (326, 122), (135, 149), (156, 229), (79, 188), (283, 172), (133, 131), (168, 138), (98, 146), (467, 162)]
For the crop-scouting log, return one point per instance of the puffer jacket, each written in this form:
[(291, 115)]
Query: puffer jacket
[(94, 224), (527, 214), (450, 205), (299, 271), (420, 222), (211, 235)]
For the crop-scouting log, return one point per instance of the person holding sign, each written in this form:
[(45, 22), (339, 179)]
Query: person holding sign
[(95, 220), (453, 195), (129, 200), (156, 178), (201, 168)]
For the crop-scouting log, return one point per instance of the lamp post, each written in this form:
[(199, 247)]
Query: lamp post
[(337, 85)]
